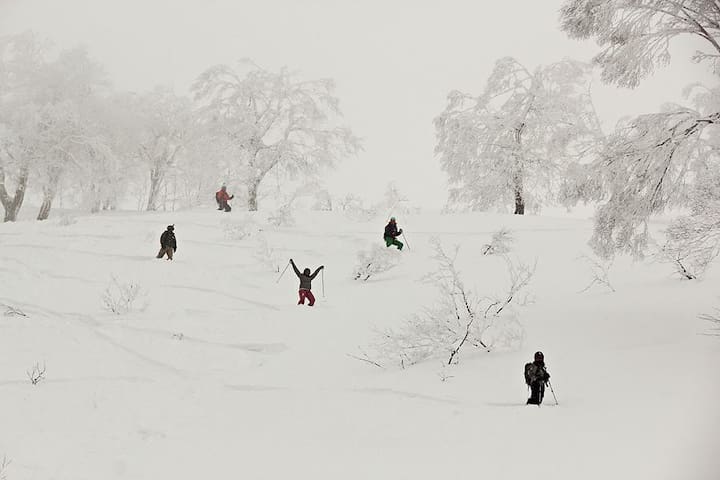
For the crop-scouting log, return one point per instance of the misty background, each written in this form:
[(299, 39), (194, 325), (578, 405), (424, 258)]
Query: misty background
[(393, 62)]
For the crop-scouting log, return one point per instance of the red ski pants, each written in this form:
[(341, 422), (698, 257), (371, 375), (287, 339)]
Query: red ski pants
[(306, 294)]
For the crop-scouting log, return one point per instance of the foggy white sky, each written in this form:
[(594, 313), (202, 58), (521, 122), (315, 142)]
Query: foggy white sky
[(393, 61)]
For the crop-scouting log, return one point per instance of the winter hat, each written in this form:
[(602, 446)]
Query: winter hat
[(539, 356), (171, 227), (392, 219)]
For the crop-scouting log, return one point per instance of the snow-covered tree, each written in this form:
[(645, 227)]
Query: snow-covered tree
[(272, 121), (650, 161), (21, 58), (648, 164), (636, 35), (163, 126), (45, 121), (509, 144), (71, 85)]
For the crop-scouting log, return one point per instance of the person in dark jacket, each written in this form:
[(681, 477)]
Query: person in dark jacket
[(391, 234), (536, 377), (222, 197), (305, 284), (168, 243)]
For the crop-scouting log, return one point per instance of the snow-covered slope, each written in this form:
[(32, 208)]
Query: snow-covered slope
[(221, 375)]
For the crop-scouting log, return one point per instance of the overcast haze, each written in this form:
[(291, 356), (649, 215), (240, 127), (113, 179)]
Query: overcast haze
[(394, 62)]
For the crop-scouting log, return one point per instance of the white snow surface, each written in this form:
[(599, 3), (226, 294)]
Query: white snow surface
[(258, 387)]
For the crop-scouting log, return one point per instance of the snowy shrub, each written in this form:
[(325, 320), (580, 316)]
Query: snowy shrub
[(66, 220), (377, 260), (355, 210), (714, 318), (461, 317), (693, 241), (36, 374), (239, 229), (600, 269), (267, 255), (394, 202), (3, 467), (282, 216), (120, 298), (322, 201), (499, 243), (178, 336), (11, 311)]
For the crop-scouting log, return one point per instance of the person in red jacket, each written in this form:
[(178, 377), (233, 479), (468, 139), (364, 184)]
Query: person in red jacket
[(222, 197)]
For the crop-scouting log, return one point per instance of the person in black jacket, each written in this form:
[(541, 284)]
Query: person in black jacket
[(536, 377), (391, 232), (305, 284), (168, 243)]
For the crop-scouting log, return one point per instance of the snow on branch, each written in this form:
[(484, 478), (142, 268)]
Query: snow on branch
[(500, 243), (644, 169), (600, 270), (374, 261), (636, 35), (120, 297), (713, 318), (36, 374), (461, 318), (507, 145)]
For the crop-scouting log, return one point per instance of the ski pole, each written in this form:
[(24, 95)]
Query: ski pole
[(322, 280), (406, 242), (283, 272), (553, 392)]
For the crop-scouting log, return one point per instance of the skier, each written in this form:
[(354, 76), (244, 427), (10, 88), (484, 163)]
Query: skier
[(391, 232), (536, 377), (305, 284), (222, 197), (168, 243)]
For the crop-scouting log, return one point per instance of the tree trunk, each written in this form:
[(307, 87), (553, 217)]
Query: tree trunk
[(155, 181), (518, 184), (44, 212), (12, 205), (519, 201), (49, 191), (252, 194)]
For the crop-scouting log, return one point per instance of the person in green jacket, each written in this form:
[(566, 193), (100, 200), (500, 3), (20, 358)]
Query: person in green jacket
[(391, 234)]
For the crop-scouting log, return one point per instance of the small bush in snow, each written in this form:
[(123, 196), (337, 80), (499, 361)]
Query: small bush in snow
[(322, 201), (4, 464), (11, 311), (36, 374), (693, 242), (377, 260), (120, 298), (239, 229), (353, 208), (267, 255), (499, 243), (714, 318), (67, 220), (282, 217), (460, 318), (600, 270)]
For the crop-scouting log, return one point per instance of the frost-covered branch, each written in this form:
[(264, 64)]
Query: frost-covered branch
[(461, 318), (500, 243), (600, 269)]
